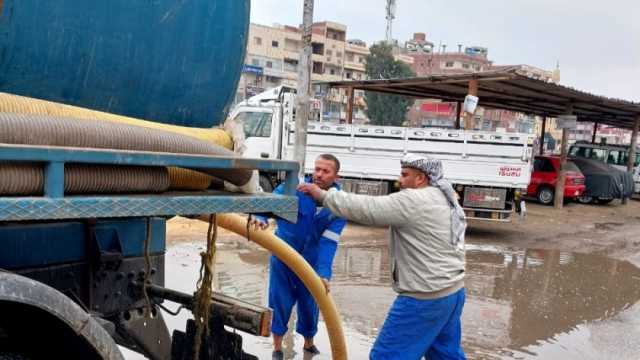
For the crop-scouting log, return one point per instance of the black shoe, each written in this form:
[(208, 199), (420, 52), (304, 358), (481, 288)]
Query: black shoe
[(277, 355), (312, 350)]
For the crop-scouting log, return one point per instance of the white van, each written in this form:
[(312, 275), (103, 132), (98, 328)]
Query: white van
[(614, 155)]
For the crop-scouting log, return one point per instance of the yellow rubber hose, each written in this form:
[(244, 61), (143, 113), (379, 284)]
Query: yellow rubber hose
[(10, 103), (301, 268), (186, 179)]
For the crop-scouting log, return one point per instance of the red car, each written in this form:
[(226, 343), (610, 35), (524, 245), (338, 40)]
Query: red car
[(545, 175)]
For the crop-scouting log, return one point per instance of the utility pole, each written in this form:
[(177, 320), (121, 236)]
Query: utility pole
[(304, 87), (559, 193)]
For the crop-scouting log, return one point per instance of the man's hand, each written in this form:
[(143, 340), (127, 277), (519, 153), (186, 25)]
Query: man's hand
[(257, 224), (325, 282), (312, 190)]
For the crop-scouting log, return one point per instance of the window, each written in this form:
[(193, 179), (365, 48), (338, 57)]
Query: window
[(614, 157), (361, 60), (543, 165), (448, 64), (597, 154), (332, 71), (574, 150), (317, 48), (290, 65), (317, 68), (338, 54), (349, 57), (465, 66), (257, 41), (348, 75), (255, 124), (274, 44), (269, 64), (329, 52), (255, 62), (624, 159)]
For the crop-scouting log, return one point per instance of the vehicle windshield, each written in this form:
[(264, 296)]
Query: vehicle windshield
[(255, 124)]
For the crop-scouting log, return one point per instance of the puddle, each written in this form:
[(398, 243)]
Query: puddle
[(521, 304)]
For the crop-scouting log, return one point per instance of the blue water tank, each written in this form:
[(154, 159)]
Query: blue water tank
[(172, 61)]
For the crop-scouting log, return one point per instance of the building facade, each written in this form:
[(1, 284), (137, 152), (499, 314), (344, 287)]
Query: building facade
[(427, 61), (273, 54)]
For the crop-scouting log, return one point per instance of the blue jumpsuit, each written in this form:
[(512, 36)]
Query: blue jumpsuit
[(315, 236)]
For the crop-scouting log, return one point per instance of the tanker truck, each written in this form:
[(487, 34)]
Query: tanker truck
[(86, 190)]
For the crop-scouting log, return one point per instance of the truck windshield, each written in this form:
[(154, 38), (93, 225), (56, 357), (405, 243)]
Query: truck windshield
[(255, 124)]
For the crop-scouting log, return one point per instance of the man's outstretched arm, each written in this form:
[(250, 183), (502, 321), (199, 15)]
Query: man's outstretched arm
[(388, 210)]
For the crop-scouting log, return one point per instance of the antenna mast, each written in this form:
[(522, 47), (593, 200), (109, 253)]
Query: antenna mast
[(391, 15)]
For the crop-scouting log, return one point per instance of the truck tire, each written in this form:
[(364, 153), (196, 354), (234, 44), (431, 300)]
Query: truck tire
[(265, 184), (546, 195)]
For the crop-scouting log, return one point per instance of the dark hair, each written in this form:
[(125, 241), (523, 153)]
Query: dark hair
[(330, 157)]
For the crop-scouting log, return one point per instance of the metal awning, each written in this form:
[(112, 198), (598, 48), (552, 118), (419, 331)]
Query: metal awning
[(509, 89)]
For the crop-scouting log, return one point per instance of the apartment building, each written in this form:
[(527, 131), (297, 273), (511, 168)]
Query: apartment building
[(429, 60), (273, 53)]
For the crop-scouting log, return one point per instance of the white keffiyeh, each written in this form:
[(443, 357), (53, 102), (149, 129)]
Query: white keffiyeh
[(433, 169)]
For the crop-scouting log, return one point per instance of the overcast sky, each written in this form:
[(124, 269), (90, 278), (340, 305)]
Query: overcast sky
[(596, 42)]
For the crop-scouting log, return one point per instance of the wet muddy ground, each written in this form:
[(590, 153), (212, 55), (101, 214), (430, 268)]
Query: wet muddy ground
[(556, 285)]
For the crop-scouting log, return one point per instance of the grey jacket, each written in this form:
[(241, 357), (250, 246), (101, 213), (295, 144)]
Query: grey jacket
[(424, 263)]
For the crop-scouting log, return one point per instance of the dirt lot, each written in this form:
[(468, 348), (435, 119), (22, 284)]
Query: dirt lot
[(559, 284)]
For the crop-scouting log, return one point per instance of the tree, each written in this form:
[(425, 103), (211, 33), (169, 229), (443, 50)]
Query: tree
[(386, 109)]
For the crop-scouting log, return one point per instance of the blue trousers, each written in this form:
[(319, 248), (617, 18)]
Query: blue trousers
[(286, 290), (422, 328)]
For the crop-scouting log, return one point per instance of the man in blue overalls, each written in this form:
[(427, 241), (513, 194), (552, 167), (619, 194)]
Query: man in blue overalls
[(315, 236)]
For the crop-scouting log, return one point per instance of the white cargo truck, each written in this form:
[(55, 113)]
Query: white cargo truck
[(489, 170)]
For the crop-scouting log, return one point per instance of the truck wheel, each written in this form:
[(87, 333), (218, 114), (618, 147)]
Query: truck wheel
[(546, 195), (265, 184), (584, 199)]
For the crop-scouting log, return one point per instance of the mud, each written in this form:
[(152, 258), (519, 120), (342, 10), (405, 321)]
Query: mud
[(558, 285)]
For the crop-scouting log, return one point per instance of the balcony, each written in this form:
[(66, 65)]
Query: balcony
[(354, 66)]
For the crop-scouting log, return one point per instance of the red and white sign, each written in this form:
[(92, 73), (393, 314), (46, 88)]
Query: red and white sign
[(510, 171)]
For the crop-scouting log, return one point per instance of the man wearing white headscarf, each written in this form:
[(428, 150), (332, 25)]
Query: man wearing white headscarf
[(427, 227)]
